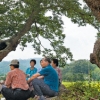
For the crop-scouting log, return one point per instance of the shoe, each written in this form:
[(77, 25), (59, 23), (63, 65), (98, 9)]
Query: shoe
[(42, 98), (36, 97), (2, 99)]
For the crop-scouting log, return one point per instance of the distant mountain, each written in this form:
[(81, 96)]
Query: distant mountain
[(24, 64)]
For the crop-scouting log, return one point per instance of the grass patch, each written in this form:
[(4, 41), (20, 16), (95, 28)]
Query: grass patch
[(82, 90)]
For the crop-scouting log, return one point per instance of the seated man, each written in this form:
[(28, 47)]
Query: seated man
[(49, 84), (16, 87), (54, 64)]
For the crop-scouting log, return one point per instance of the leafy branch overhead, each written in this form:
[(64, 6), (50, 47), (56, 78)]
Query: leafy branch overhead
[(26, 21)]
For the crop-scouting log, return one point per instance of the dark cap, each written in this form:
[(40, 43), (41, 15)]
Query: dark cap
[(14, 62)]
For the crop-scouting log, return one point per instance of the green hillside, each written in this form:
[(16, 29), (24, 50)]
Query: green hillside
[(81, 70)]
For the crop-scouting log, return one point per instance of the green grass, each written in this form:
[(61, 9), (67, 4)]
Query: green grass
[(82, 90)]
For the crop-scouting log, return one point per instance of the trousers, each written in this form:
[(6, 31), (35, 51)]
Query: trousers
[(15, 94), (40, 88)]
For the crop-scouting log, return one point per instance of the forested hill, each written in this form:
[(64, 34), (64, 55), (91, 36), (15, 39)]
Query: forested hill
[(24, 64), (81, 70)]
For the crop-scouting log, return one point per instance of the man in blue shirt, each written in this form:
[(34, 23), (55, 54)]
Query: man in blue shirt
[(49, 84), (31, 70)]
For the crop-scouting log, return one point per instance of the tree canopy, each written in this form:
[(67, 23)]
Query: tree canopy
[(25, 21)]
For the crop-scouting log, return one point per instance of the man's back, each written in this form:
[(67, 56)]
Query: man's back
[(16, 79), (59, 73), (50, 77), (16, 87)]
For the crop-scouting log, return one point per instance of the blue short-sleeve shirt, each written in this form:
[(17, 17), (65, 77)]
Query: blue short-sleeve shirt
[(30, 72), (50, 77)]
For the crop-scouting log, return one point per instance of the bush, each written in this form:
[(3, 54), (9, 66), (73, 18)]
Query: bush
[(83, 90)]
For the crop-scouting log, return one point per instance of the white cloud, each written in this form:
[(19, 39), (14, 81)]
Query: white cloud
[(80, 40)]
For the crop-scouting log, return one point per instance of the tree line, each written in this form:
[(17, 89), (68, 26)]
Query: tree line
[(81, 70)]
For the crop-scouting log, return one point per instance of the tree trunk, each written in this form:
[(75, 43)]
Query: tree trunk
[(10, 45), (94, 5), (95, 56)]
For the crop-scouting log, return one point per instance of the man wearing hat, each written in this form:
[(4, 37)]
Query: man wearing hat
[(16, 87)]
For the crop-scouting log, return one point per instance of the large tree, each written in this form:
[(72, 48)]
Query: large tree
[(94, 5), (25, 21)]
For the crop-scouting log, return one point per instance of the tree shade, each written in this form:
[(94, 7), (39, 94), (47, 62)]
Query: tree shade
[(25, 21)]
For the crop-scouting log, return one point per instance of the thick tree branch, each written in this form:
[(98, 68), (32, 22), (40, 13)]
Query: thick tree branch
[(14, 40), (94, 5), (37, 35), (26, 27)]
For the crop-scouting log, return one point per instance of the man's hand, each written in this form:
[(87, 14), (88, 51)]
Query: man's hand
[(2, 82), (28, 81), (40, 77), (33, 77)]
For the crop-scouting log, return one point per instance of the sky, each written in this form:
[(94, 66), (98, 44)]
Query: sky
[(80, 40)]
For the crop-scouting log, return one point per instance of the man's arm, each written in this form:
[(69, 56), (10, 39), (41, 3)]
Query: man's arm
[(40, 77), (8, 80), (60, 74), (33, 77)]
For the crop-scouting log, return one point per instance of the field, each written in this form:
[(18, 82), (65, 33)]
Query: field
[(79, 91)]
